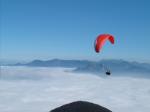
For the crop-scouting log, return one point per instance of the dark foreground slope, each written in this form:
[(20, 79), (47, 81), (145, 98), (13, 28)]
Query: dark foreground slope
[(81, 106)]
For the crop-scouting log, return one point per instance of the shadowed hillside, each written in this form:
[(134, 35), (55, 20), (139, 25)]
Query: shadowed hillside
[(81, 106)]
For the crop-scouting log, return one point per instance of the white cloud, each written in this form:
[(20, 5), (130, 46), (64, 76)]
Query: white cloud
[(29, 89)]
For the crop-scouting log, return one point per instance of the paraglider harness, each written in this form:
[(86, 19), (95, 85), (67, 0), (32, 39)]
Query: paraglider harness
[(106, 70), (108, 73)]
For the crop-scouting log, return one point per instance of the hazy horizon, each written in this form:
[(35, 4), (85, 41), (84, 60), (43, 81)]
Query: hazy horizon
[(3, 61)]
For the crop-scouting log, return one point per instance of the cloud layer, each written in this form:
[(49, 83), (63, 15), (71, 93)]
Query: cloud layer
[(39, 89)]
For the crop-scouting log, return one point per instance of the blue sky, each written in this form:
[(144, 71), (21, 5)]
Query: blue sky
[(66, 29)]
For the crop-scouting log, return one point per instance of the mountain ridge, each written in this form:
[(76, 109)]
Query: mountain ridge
[(117, 66)]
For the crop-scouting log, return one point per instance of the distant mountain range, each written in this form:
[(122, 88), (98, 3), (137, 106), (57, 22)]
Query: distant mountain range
[(116, 66), (56, 63)]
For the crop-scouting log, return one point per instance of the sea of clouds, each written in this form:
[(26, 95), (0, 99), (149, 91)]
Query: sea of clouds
[(39, 89)]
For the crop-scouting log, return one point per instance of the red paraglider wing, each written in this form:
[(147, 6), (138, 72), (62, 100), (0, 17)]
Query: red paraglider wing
[(99, 42)]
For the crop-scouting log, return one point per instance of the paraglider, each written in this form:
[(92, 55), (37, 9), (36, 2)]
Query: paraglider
[(101, 39), (99, 43)]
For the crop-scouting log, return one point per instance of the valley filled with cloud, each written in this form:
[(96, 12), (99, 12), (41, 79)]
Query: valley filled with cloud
[(40, 89)]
